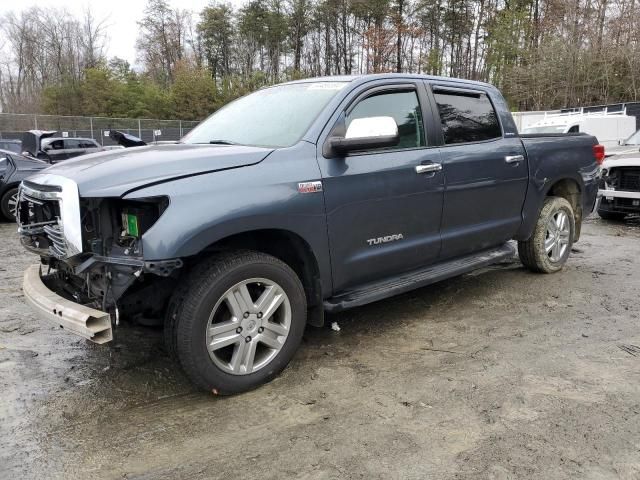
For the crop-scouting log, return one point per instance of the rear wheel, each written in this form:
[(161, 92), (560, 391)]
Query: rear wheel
[(239, 322), (9, 204), (550, 245)]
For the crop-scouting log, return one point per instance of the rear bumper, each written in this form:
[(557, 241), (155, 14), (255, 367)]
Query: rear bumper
[(86, 322)]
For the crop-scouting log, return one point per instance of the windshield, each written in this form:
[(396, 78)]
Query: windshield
[(545, 129), (633, 139), (274, 117)]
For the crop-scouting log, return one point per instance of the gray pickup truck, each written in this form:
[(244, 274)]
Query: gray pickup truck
[(299, 199)]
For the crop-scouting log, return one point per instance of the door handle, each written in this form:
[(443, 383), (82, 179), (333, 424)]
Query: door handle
[(514, 158), (429, 168)]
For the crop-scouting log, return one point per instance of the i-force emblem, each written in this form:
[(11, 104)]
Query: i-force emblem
[(310, 187)]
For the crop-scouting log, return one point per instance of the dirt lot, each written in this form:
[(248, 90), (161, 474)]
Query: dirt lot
[(498, 374)]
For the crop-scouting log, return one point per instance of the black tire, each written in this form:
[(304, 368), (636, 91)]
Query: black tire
[(613, 216), (532, 252), (171, 319), (188, 318), (4, 204)]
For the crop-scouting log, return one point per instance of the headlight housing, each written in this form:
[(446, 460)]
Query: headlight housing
[(113, 227), (138, 216)]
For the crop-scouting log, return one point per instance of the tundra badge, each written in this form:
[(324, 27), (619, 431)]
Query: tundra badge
[(387, 239)]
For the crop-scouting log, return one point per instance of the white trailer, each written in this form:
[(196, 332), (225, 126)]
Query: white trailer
[(610, 128)]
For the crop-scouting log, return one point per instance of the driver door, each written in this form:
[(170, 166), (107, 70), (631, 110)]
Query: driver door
[(384, 205)]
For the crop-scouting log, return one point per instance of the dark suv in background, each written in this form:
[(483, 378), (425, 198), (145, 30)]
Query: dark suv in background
[(58, 149), (13, 169), (54, 149)]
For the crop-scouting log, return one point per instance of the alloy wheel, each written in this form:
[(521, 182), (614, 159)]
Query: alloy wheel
[(558, 235), (13, 205), (248, 326)]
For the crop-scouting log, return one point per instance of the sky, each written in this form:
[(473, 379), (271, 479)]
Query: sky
[(121, 17)]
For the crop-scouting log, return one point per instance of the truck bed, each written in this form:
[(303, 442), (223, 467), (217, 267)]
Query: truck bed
[(559, 156)]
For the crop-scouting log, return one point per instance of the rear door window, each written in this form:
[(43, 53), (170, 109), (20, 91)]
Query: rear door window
[(467, 117)]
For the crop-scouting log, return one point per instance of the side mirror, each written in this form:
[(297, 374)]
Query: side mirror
[(620, 142), (367, 133)]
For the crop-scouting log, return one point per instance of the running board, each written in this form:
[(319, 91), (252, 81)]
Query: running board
[(416, 279)]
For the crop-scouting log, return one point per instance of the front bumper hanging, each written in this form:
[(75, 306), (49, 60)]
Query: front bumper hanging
[(84, 321)]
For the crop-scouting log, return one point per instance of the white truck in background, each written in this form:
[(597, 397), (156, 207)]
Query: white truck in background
[(610, 128)]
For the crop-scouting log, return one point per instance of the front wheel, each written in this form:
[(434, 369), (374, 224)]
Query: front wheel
[(239, 322), (550, 245)]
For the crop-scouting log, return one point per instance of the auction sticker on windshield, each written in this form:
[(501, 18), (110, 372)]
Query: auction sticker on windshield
[(326, 86)]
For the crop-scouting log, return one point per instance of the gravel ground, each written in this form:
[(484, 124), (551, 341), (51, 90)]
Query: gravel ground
[(498, 374)]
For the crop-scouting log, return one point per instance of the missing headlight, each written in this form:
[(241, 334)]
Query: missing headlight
[(138, 216)]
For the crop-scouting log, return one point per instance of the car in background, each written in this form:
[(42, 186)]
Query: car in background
[(629, 145), (11, 144), (13, 169), (58, 149), (619, 190), (44, 145), (126, 140)]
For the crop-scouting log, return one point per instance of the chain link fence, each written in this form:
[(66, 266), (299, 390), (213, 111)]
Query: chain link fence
[(12, 125)]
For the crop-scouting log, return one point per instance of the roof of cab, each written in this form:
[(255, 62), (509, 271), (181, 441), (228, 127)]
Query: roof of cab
[(385, 76)]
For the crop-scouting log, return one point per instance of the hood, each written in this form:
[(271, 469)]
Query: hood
[(626, 161), (621, 150), (116, 172)]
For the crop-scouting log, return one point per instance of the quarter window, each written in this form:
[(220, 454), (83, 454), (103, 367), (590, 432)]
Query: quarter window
[(467, 117), (405, 110)]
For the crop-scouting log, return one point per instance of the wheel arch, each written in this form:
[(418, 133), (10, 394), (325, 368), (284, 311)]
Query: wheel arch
[(288, 247), (9, 186), (571, 190)]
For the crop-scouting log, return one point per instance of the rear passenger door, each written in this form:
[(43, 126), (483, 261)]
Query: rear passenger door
[(486, 173)]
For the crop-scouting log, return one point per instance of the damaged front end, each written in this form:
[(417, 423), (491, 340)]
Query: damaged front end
[(91, 256), (620, 187)]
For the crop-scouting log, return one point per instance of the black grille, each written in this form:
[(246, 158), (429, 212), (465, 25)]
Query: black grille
[(626, 204), (629, 179)]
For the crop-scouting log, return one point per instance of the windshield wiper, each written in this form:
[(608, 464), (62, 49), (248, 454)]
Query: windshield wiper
[(222, 142)]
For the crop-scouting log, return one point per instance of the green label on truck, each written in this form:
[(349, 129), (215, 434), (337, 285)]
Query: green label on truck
[(131, 224)]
